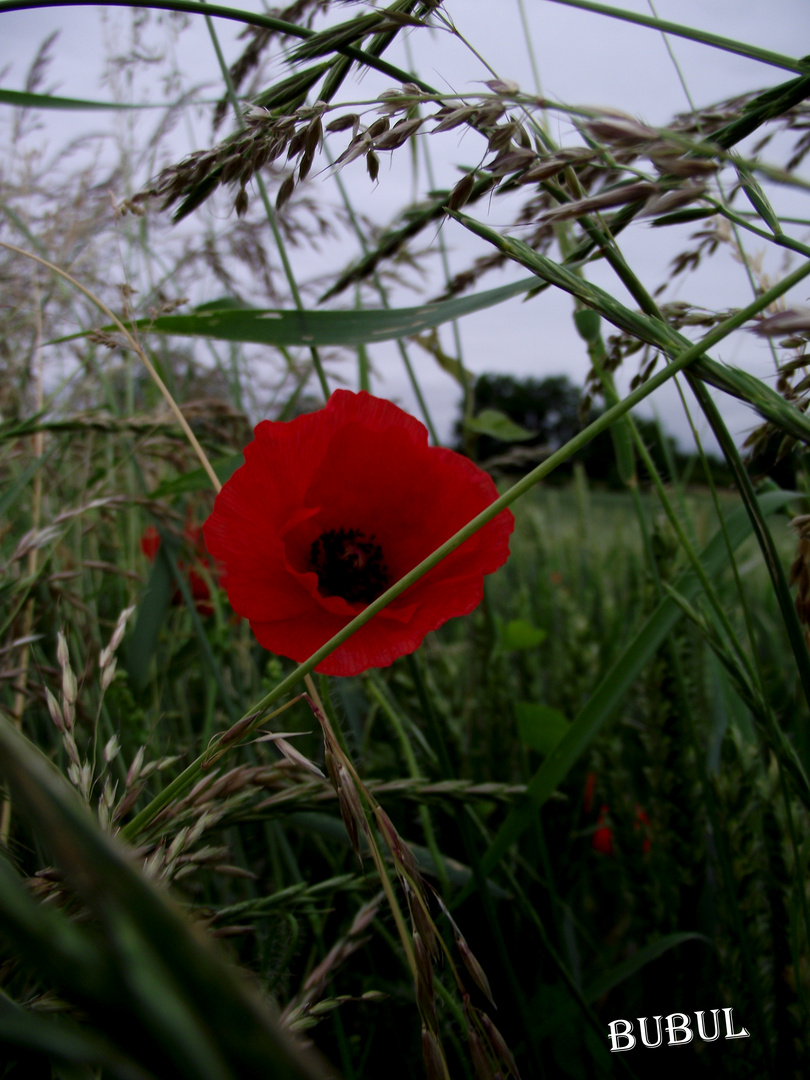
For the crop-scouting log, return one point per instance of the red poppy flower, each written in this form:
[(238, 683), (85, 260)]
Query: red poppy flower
[(602, 839), (150, 543), (602, 836), (332, 508)]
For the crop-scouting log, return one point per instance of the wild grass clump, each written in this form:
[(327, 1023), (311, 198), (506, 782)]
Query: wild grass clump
[(586, 799)]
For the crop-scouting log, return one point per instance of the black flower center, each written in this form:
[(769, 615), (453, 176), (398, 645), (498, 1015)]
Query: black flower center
[(349, 564)]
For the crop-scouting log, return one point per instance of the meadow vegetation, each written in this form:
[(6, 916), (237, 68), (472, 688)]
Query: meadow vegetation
[(589, 798)]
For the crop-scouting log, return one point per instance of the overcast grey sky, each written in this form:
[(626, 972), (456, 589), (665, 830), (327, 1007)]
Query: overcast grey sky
[(583, 59)]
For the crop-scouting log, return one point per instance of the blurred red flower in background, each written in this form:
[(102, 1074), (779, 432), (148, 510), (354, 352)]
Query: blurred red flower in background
[(602, 836), (192, 534), (332, 508), (602, 839)]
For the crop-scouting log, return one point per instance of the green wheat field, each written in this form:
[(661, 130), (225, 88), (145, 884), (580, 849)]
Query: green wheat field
[(302, 777)]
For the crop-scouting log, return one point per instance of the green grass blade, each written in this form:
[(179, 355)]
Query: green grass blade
[(639, 960), (24, 100), (766, 106), (45, 937), (776, 572), (219, 11), (315, 328), (703, 37), (626, 970), (656, 332)]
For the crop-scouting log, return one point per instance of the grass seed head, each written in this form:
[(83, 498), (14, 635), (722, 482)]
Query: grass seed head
[(435, 1066)]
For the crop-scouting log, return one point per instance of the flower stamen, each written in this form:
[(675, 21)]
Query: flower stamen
[(349, 564)]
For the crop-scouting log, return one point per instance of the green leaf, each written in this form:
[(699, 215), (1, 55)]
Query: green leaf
[(568, 1011), (272, 326), (588, 324), (540, 726), (497, 425), (198, 479), (741, 48), (152, 608), (44, 935), (639, 960), (519, 634), (757, 197), (25, 100), (681, 217)]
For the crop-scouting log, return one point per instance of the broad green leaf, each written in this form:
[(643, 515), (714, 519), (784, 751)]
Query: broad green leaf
[(540, 726), (639, 960), (272, 326), (518, 634), (568, 1010), (198, 479), (497, 425)]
